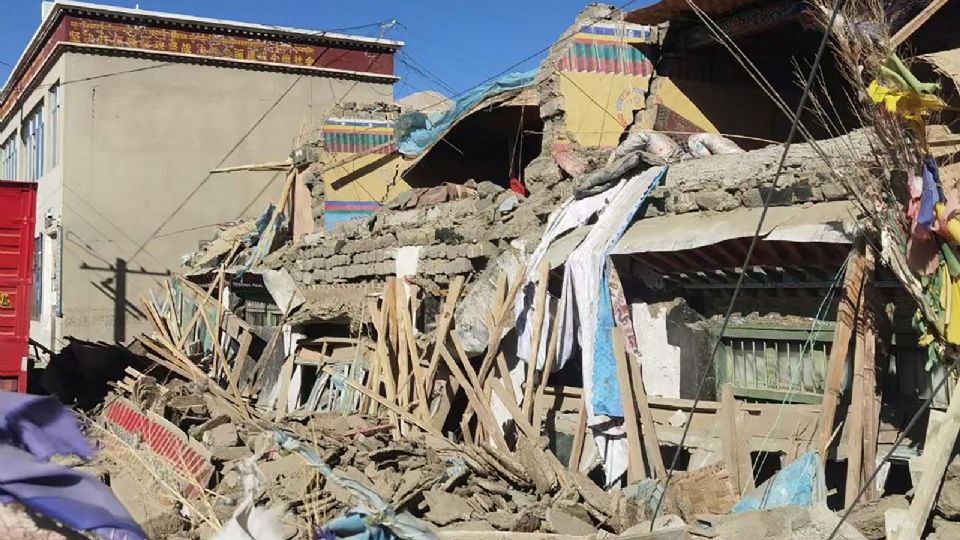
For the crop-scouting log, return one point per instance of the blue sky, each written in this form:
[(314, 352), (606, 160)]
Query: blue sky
[(452, 45)]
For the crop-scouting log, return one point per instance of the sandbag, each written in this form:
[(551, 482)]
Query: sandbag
[(713, 143), (651, 142)]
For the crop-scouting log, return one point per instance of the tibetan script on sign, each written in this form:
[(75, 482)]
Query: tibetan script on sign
[(209, 45)]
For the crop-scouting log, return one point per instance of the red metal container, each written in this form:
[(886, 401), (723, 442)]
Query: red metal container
[(17, 217)]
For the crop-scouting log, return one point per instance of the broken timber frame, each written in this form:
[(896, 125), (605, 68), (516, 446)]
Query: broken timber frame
[(850, 305)]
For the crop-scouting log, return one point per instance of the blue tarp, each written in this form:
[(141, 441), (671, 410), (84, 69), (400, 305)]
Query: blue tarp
[(417, 140), (794, 485)]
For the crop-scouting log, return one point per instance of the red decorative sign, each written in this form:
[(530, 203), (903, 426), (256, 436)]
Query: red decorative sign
[(87, 31)]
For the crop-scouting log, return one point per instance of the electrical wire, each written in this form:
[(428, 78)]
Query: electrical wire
[(794, 125), (223, 160), (502, 72), (808, 344), (299, 78), (407, 60)]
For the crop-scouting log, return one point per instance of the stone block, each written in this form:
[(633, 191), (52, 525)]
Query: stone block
[(680, 203), (716, 200), (833, 191), (416, 237)]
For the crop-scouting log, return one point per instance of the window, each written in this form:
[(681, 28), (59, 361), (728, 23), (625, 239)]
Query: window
[(53, 105), (262, 313), (775, 362), (37, 278), (32, 135), (8, 158)]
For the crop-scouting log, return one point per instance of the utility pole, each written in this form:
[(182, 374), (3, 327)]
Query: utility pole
[(119, 293)]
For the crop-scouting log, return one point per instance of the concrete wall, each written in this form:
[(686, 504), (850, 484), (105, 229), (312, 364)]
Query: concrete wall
[(141, 138), (43, 326), (674, 349)]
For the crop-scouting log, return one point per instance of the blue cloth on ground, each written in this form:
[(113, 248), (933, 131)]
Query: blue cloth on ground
[(415, 141), (793, 486), (34, 428), (374, 520), (353, 526)]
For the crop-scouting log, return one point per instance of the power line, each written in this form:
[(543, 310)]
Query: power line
[(498, 74), (220, 163), (794, 124), (408, 61)]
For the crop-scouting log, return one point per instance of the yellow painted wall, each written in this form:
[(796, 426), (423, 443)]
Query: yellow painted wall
[(599, 106), (380, 182)]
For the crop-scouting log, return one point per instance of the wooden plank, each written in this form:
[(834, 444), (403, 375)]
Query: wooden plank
[(871, 396), (635, 467), (936, 458), (481, 407), (243, 351), (871, 430), (649, 428), (443, 326), (576, 450), (419, 374), (302, 210), (908, 29), (173, 320), (228, 373), (270, 166), (497, 319), (505, 376), (403, 359), (735, 454), (199, 307), (548, 360), (522, 424), (286, 373), (846, 313), (390, 313), (859, 399), (539, 308), (215, 332)]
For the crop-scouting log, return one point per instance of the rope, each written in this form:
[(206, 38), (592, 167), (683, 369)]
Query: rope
[(794, 125), (806, 346)]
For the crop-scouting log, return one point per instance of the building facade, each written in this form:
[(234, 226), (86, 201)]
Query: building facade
[(120, 115)]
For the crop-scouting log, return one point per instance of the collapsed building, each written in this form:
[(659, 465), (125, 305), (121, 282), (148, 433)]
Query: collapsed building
[(565, 268)]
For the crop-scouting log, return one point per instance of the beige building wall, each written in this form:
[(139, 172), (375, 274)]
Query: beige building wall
[(140, 138)]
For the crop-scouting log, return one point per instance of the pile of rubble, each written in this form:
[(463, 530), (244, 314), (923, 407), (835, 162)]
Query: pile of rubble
[(457, 487), (179, 458)]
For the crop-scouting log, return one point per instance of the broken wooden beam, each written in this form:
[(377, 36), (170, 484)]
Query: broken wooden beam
[(635, 465), (861, 400), (736, 456), (850, 304), (936, 458)]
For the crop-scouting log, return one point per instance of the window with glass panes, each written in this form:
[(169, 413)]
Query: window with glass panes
[(32, 134)]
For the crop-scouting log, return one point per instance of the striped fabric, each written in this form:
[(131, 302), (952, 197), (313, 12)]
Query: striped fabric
[(631, 33), (339, 211), (354, 136), (608, 49)]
